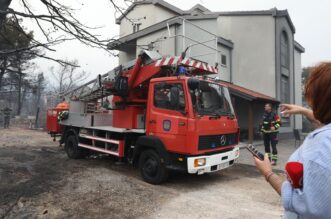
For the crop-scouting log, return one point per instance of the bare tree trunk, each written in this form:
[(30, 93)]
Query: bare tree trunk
[(23, 95), (2, 73), (4, 4), (38, 93), (10, 92), (19, 101), (3, 70), (19, 89), (37, 117)]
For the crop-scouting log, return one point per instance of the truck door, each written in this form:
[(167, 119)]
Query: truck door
[(167, 114)]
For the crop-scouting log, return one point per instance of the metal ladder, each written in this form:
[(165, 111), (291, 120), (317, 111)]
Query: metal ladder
[(97, 88)]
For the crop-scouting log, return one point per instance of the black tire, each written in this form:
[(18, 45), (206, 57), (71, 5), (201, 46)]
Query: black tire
[(151, 168), (72, 149)]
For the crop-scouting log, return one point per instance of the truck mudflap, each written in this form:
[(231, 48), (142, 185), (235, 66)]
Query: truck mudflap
[(211, 163)]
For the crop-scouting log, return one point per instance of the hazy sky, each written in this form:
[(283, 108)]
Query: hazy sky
[(312, 20)]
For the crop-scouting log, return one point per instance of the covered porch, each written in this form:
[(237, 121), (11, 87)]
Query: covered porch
[(249, 109)]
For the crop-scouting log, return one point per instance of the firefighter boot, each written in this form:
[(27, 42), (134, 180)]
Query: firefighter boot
[(274, 159)]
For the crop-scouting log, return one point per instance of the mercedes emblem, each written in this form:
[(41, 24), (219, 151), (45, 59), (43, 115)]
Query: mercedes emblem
[(223, 140)]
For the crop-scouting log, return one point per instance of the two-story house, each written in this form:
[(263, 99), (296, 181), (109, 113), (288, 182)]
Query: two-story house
[(255, 52)]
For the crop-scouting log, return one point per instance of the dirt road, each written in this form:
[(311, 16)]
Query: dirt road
[(37, 180)]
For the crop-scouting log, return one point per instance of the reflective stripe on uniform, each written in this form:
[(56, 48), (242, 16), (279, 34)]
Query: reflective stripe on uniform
[(61, 115), (269, 131), (274, 157)]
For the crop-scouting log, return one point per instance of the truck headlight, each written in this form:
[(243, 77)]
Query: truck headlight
[(199, 162)]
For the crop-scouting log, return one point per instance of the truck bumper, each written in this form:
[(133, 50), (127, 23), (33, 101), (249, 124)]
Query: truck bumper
[(213, 162)]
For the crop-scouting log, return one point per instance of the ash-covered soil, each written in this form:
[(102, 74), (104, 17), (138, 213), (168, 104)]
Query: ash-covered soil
[(37, 180)]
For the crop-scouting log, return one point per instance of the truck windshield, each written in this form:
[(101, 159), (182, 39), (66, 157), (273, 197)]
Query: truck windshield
[(212, 99)]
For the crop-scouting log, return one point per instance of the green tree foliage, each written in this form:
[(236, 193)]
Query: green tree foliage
[(304, 77), (12, 39), (305, 74), (13, 36), (15, 58)]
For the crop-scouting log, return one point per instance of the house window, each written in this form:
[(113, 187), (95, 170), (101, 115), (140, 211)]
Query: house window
[(223, 60), (285, 96), (284, 73), (284, 50), (284, 68), (136, 27), (284, 89)]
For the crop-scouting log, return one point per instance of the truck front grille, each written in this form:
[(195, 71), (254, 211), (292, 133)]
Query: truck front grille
[(217, 141)]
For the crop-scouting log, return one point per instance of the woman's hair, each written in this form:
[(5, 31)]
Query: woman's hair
[(318, 92)]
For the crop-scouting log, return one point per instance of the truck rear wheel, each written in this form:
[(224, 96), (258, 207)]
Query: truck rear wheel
[(151, 168), (72, 149)]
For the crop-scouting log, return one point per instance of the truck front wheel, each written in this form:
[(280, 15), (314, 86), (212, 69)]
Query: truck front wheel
[(152, 169), (72, 149)]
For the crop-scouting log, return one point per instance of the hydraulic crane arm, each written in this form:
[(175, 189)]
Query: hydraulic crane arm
[(123, 79), (134, 72), (109, 83), (144, 69)]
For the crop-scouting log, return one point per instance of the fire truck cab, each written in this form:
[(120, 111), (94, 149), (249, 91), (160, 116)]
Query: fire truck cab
[(165, 115)]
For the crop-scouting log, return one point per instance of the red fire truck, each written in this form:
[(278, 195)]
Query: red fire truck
[(165, 114)]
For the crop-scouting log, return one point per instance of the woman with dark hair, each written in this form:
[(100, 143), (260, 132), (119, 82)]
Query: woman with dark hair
[(312, 198)]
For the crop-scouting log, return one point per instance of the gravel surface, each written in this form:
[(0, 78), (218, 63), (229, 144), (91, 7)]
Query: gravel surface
[(37, 180), (285, 148)]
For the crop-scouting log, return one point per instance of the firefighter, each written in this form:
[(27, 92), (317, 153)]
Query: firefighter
[(269, 128), (6, 117), (63, 105), (63, 114)]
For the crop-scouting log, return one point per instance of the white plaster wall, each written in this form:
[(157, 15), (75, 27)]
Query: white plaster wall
[(153, 13), (124, 57), (254, 51), (298, 86), (206, 51), (164, 44)]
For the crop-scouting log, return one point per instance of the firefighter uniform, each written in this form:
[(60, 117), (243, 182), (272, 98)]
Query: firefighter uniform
[(63, 115), (63, 105), (270, 119)]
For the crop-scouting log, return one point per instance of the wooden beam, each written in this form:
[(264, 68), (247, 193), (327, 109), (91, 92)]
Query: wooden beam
[(250, 123)]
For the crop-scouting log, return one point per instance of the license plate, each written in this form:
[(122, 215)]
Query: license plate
[(223, 165)]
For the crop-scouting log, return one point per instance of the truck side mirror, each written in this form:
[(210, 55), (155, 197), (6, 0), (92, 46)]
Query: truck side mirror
[(193, 83)]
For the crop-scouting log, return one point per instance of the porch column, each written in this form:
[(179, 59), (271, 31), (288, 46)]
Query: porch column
[(250, 123)]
